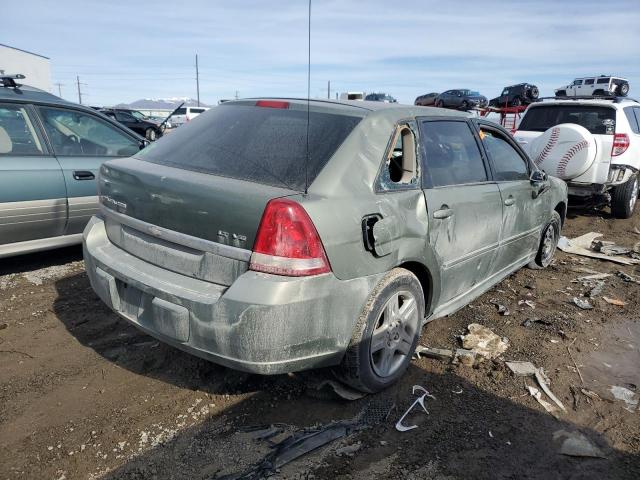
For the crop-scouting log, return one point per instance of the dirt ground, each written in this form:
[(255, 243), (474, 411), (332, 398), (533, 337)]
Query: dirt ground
[(85, 395)]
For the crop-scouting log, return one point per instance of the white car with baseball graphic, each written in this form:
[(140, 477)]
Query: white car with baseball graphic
[(594, 145)]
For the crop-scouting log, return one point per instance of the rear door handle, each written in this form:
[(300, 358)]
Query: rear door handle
[(509, 201), (83, 175), (444, 212)]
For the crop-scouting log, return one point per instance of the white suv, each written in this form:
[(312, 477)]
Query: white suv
[(184, 114), (588, 86), (594, 145)]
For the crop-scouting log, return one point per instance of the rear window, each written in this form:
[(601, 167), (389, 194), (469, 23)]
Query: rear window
[(180, 111), (598, 120), (262, 145), (603, 80)]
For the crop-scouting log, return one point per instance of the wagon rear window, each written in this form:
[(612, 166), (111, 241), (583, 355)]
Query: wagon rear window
[(598, 120), (262, 145)]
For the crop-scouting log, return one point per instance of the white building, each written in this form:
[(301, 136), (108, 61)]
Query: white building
[(34, 67)]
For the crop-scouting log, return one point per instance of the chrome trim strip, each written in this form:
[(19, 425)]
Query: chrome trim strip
[(48, 205), (177, 237)]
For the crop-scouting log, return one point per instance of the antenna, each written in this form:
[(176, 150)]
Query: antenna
[(306, 162)]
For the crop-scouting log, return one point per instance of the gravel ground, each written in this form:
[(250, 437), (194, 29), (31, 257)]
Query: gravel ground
[(85, 395)]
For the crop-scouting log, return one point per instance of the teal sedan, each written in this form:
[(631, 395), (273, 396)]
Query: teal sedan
[(50, 154), (275, 235)]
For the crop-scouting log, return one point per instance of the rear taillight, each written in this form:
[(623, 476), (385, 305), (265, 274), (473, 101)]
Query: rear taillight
[(513, 131), (620, 144), (287, 242)]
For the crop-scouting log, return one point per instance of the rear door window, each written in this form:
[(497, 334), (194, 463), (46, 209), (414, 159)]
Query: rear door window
[(79, 134), (451, 154), (589, 81), (598, 120), (507, 162), (180, 111), (196, 110), (603, 81), (257, 144), (18, 134)]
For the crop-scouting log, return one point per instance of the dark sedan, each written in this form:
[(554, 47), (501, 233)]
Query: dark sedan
[(137, 121), (427, 100), (461, 99)]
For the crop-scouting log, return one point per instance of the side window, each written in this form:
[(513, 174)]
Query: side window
[(507, 162), (577, 82), (124, 117), (636, 110), (18, 135), (400, 170), (589, 81), (451, 154), (632, 117), (74, 133)]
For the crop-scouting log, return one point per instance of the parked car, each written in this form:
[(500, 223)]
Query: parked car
[(220, 241), (183, 115), (593, 144), (602, 85), (462, 99), (516, 95), (140, 123), (426, 100), (50, 153), (380, 97), (352, 96)]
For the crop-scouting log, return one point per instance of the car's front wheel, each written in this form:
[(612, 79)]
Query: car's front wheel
[(516, 102), (151, 134), (439, 104), (386, 334), (548, 243), (624, 198)]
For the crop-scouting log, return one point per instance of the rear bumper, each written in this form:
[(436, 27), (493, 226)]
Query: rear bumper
[(262, 323)]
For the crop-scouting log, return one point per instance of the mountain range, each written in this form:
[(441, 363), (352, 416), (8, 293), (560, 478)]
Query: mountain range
[(161, 103)]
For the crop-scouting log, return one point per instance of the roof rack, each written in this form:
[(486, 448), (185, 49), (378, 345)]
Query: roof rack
[(614, 98), (9, 80)]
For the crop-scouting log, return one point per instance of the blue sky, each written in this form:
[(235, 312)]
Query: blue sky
[(126, 50)]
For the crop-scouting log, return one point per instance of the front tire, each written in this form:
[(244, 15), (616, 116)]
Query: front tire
[(548, 243), (439, 104), (151, 134), (561, 93), (516, 102), (386, 334), (624, 198)]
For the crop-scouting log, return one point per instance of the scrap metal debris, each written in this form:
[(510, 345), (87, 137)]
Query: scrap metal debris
[(484, 342), (610, 248), (535, 393), (582, 246), (442, 354), (528, 303), (502, 309), (419, 401), (627, 278), (465, 357), (582, 303), (576, 444), (334, 387)]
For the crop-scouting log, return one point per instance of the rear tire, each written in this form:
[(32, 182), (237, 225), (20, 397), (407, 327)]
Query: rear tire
[(516, 102), (534, 93), (464, 105), (561, 93), (439, 104), (624, 198), (386, 334), (548, 243)]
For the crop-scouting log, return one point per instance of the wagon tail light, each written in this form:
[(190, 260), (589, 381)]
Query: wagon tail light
[(287, 242), (620, 144)]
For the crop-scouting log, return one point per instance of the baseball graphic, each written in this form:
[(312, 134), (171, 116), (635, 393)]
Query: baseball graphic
[(565, 151)]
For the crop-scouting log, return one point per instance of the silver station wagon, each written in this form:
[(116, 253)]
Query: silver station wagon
[(272, 239)]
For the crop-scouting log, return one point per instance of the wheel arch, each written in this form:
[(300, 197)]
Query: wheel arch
[(561, 208), (426, 280)]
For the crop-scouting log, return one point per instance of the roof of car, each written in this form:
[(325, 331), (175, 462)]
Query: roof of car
[(27, 93), (585, 101), (360, 107)]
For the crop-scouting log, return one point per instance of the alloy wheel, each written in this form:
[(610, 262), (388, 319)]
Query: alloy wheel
[(394, 333)]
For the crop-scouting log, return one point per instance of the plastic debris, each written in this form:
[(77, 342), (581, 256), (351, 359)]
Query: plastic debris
[(627, 278), (595, 286), (535, 393), (528, 303), (614, 301), (582, 303), (582, 246), (484, 342), (528, 369), (337, 388), (349, 450), (576, 444), (419, 401), (629, 397), (522, 368), (610, 248)]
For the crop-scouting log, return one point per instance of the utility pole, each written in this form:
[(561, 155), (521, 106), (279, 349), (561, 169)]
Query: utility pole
[(328, 89), (236, 94), (79, 92), (197, 81), (59, 88)]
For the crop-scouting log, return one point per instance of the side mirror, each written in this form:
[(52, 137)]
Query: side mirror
[(538, 176), (144, 143)]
